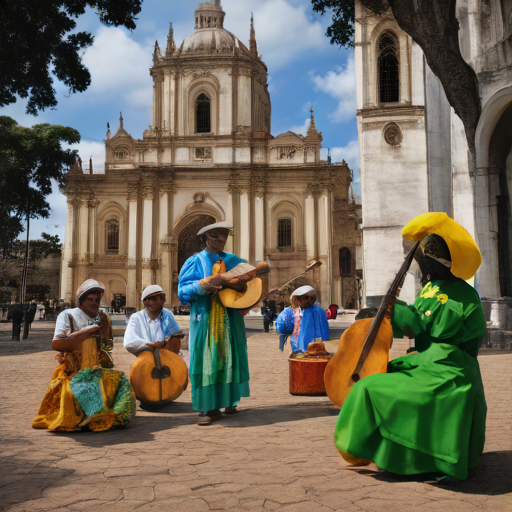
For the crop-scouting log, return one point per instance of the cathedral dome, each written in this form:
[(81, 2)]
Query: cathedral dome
[(212, 40)]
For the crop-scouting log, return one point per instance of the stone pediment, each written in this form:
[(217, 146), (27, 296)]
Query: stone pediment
[(287, 138)]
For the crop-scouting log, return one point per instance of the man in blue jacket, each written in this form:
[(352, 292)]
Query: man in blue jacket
[(313, 324)]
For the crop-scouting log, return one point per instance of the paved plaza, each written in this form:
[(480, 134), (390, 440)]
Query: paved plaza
[(276, 454)]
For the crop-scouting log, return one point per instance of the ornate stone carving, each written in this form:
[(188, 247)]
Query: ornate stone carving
[(393, 135), (133, 192), (288, 152), (234, 186), (203, 153), (149, 185), (245, 71)]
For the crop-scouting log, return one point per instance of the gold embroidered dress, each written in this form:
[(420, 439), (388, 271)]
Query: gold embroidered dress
[(85, 391)]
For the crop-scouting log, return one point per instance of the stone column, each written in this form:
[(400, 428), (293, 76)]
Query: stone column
[(93, 228), (244, 226), (147, 232), (323, 246), (166, 102), (252, 227), (131, 287), (310, 227), (84, 230), (165, 234), (66, 275), (259, 228), (234, 190)]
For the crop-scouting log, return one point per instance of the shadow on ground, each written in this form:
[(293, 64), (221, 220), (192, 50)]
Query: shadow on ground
[(36, 342), (482, 480), (147, 423)]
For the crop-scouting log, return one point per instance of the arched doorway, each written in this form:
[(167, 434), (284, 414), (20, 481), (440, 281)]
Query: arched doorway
[(500, 161), (188, 241)]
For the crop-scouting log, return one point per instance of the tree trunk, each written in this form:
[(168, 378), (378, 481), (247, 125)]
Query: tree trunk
[(25, 263)]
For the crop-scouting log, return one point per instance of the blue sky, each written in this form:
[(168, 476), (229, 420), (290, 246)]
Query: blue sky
[(304, 69)]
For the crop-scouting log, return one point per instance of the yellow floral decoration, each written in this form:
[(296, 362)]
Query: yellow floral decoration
[(442, 298), (429, 292)]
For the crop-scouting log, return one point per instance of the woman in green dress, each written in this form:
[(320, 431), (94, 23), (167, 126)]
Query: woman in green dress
[(427, 414)]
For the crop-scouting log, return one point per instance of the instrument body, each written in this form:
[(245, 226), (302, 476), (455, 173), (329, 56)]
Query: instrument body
[(245, 287), (364, 347), (158, 376), (339, 371)]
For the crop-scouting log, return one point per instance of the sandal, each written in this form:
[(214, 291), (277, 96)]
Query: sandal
[(207, 418), (230, 410)]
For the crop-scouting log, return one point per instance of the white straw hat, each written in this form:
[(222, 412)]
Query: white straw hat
[(217, 225), (152, 289), (89, 285), (303, 290)]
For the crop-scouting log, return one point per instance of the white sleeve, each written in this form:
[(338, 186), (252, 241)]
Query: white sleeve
[(62, 326), (133, 337)]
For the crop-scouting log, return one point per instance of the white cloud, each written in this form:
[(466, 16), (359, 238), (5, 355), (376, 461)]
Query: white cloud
[(341, 85), (91, 149), (349, 153), (284, 31), (303, 128), (119, 69)]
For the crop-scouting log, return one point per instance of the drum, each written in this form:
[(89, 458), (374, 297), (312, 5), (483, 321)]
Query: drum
[(307, 374)]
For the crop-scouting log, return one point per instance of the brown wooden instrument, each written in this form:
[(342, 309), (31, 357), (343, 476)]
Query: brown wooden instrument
[(158, 376), (364, 347), (243, 287)]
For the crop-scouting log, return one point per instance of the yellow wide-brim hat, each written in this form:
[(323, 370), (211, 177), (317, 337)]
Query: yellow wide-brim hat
[(238, 300), (465, 254)]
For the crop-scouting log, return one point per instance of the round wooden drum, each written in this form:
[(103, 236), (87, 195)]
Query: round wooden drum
[(307, 374)]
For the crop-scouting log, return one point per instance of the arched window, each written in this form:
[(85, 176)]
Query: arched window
[(284, 233), (345, 262), (112, 234), (203, 114), (389, 68)]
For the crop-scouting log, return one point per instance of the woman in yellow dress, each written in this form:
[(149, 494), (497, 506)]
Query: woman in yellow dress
[(85, 391)]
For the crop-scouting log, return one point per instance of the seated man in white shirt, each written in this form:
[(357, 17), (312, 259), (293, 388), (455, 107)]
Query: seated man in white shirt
[(154, 326)]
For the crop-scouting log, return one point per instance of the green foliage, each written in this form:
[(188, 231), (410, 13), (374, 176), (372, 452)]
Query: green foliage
[(36, 42), (30, 158), (40, 249), (341, 31)]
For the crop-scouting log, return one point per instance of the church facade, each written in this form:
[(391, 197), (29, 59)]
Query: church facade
[(209, 156), (413, 149)]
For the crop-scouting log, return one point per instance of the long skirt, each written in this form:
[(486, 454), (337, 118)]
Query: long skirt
[(426, 415), (95, 398)]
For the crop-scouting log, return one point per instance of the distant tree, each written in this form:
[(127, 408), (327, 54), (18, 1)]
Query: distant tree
[(41, 249), (38, 43), (433, 25), (30, 158)]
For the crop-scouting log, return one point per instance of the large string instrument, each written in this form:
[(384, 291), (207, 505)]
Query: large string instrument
[(159, 376), (364, 347)]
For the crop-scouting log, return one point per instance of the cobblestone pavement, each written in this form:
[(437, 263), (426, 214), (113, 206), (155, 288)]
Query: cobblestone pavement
[(276, 454)]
